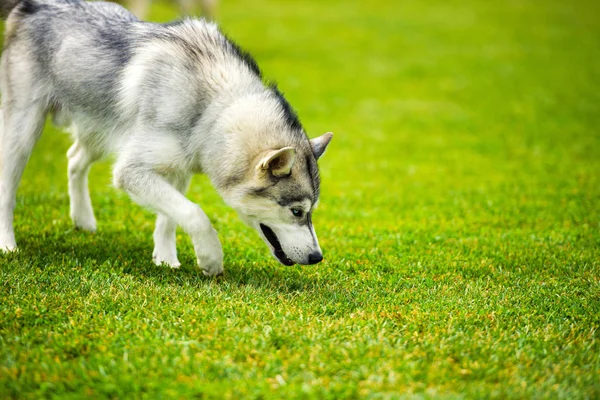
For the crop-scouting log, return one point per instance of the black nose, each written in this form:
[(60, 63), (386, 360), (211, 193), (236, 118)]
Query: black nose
[(315, 257)]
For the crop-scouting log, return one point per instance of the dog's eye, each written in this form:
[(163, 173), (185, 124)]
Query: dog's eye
[(297, 212)]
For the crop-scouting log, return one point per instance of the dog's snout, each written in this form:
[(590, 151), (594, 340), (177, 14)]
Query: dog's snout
[(315, 257)]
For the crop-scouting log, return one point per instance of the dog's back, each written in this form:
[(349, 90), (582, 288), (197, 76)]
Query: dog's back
[(74, 51), (100, 64)]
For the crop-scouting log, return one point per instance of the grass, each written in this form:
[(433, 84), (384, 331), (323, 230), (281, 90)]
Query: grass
[(459, 217)]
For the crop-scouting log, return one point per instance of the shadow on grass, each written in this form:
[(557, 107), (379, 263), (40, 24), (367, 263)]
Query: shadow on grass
[(128, 252)]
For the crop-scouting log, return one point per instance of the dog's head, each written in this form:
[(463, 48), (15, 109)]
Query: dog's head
[(279, 199)]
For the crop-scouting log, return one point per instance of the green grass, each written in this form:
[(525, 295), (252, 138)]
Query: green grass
[(459, 217)]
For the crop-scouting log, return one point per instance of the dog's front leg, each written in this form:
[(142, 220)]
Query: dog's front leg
[(165, 246), (150, 189)]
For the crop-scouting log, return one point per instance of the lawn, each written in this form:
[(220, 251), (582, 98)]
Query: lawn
[(459, 219)]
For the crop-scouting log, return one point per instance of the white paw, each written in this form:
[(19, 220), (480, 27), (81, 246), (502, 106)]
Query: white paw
[(211, 268), (210, 259), (7, 243), (169, 258), (8, 247), (85, 222)]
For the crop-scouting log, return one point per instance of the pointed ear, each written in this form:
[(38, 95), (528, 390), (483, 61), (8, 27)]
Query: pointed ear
[(278, 162), (320, 143)]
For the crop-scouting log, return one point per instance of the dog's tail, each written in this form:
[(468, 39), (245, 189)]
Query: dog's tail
[(6, 7)]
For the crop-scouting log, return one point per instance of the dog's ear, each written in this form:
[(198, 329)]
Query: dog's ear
[(278, 162), (319, 144)]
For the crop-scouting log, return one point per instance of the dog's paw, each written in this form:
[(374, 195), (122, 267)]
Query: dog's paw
[(211, 262), (8, 248), (210, 259), (7, 243), (86, 223), (214, 268), (165, 258)]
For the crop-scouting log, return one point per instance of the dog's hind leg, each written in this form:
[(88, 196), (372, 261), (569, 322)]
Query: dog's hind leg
[(80, 161), (165, 246), (20, 130)]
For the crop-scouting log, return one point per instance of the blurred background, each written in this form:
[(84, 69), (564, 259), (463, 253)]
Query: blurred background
[(458, 125), (452, 120), (462, 120)]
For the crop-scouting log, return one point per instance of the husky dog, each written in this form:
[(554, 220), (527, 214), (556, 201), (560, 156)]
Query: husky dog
[(169, 101)]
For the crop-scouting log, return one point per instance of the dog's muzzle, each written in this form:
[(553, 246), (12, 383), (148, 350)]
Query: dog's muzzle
[(278, 251)]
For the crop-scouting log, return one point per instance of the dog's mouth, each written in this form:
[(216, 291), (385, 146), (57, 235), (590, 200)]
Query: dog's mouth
[(277, 250)]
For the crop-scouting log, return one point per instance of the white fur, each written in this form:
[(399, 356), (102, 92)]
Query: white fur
[(80, 161)]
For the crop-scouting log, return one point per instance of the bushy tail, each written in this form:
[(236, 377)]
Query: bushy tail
[(6, 7)]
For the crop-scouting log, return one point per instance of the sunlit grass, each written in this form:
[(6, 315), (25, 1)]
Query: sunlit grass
[(459, 217)]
